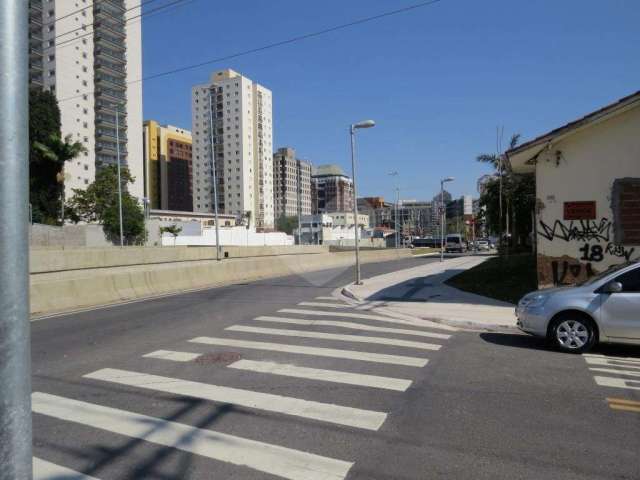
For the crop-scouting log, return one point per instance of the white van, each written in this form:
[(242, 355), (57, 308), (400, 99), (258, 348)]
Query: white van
[(455, 243)]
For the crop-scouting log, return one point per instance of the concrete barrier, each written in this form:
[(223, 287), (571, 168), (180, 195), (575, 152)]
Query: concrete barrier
[(55, 260), (66, 290)]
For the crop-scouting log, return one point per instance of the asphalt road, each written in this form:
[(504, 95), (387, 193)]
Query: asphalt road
[(485, 406)]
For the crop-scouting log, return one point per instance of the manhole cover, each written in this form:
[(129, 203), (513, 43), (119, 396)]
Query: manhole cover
[(218, 357)]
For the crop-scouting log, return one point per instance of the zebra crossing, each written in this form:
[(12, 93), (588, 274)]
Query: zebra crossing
[(407, 345), (616, 373)]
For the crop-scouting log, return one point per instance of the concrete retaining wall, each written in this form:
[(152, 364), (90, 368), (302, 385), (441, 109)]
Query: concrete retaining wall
[(55, 260), (66, 290)]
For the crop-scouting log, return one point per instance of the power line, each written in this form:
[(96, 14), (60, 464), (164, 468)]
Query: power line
[(84, 26), (274, 45)]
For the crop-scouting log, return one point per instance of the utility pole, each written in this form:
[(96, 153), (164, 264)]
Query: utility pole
[(395, 215), (15, 343), (215, 178), (119, 178), (299, 195)]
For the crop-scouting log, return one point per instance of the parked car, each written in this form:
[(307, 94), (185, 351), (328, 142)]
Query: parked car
[(482, 245), (605, 308), (455, 243)]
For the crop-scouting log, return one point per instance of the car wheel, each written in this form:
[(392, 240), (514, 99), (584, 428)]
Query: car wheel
[(573, 332)]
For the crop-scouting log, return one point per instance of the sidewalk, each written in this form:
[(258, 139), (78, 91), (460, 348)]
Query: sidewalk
[(420, 292)]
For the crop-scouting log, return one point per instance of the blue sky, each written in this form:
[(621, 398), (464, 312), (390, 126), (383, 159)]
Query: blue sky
[(437, 80)]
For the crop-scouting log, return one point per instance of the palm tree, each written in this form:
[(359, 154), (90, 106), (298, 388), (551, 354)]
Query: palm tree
[(494, 158), (55, 152)]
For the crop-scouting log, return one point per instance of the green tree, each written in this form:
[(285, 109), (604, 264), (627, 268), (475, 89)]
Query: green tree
[(172, 230), (48, 153), (518, 199), (287, 224), (99, 203)]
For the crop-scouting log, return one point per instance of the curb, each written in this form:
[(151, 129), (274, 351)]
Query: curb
[(345, 294)]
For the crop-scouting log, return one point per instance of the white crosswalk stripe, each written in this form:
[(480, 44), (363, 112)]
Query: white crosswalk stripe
[(612, 362), (334, 336), (352, 326), (173, 356), (324, 305), (328, 298), (272, 459), (353, 417), (318, 351), (628, 373), (43, 470), (608, 357), (617, 382), (367, 316), (359, 379)]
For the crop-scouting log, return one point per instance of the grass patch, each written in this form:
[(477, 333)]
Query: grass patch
[(502, 278), (423, 250)]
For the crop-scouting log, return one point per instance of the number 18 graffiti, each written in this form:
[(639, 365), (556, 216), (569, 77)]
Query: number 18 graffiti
[(592, 253)]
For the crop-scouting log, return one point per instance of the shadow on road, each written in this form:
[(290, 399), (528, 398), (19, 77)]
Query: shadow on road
[(516, 340), (101, 456)]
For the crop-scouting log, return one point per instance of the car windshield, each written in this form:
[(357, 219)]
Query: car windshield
[(453, 240), (600, 276)]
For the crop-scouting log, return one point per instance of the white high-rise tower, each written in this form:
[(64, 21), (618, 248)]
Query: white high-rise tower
[(90, 55), (243, 148)]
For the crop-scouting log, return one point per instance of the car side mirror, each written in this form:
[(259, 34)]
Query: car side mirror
[(612, 287)]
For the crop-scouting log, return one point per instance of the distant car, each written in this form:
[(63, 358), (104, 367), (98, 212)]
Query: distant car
[(482, 245), (455, 243), (605, 308)]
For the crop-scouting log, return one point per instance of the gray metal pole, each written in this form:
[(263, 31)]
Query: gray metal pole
[(442, 220), (355, 204), (215, 177), (299, 181), (119, 178), (15, 351), (396, 222)]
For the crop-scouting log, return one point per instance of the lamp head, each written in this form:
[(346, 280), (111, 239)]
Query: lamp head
[(364, 124), (448, 179)]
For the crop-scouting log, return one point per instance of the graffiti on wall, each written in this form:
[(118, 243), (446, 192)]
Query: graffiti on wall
[(594, 242)]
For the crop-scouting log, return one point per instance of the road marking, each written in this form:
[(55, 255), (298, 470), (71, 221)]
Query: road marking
[(624, 404), (264, 457), (43, 470), (352, 325), (325, 412), (620, 359), (619, 372), (318, 351), (334, 336), (328, 298), (611, 363), (324, 304), (617, 382), (365, 316), (173, 356), (388, 383)]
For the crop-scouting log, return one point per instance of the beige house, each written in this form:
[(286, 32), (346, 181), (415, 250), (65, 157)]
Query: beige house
[(588, 192)]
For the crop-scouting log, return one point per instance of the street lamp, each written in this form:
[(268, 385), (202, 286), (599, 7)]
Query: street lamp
[(395, 216), (443, 215), (352, 132)]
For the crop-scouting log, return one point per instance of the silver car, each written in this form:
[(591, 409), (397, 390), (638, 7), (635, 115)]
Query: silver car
[(605, 308)]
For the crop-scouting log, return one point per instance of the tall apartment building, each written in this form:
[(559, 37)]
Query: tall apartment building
[(332, 190), (88, 53), (292, 184), (242, 138), (167, 167)]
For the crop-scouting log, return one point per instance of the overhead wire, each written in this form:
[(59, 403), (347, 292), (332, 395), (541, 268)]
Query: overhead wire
[(275, 44)]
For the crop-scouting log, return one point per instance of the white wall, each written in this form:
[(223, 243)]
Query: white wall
[(236, 236), (585, 170)]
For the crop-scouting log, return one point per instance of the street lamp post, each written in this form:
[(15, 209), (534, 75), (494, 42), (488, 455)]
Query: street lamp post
[(395, 215), (352, 132), (119, 179), (215, 177), (15, 344), (443, 215)]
